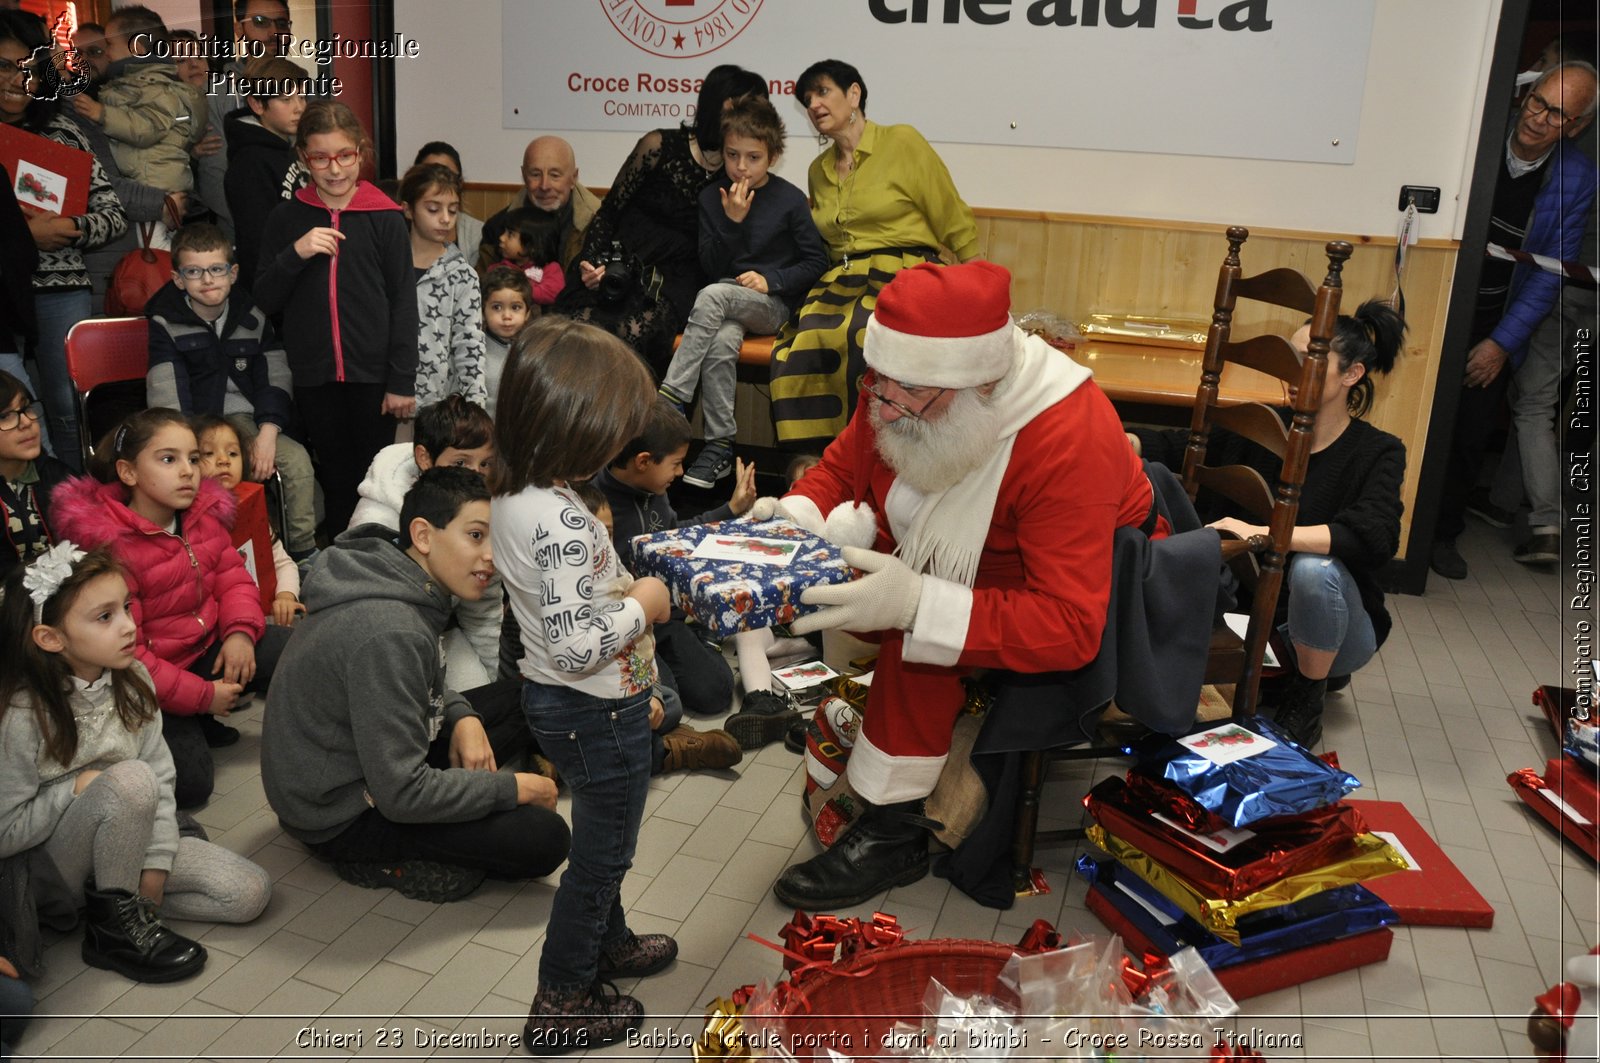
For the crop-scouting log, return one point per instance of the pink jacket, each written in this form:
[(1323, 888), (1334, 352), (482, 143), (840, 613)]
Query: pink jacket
[(189, 589)]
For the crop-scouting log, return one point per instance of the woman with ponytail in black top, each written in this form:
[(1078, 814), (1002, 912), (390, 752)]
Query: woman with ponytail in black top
[(1331, 609)]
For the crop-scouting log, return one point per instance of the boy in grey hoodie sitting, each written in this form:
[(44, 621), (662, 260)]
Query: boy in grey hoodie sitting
[(367, 757)]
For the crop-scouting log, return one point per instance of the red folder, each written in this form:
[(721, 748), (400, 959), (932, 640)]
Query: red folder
[(252, 537), (46, 175)]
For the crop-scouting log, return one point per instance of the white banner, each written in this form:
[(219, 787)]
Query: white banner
[(1265, 79)]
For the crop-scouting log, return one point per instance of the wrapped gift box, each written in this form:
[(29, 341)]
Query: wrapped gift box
[(1582, 743), (1244, 771), (1573, 725), (1327, 916), (1187, 333), (1433, 892), (1575, 784), (1367, 857), (702, 567), (1228, 863), (1253, 978), (1573, 825)]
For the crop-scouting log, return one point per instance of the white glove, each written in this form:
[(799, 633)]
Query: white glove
[(885, 599), (768, 508)]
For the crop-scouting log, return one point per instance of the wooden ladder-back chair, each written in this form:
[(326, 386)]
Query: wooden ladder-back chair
[(1231, 659), (103, 350)]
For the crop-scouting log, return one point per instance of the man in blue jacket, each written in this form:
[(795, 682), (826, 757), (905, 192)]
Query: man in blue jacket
[(1542, 199)]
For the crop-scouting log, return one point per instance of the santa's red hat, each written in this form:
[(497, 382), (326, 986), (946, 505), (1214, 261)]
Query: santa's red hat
[(944, 326)]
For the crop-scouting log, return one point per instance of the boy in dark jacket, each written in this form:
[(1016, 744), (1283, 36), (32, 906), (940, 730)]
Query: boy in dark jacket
[(636, 485), (763, 253), (212, 351), (366, 756), (262, 169)]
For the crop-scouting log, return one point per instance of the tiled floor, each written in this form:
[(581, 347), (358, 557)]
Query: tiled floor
[(1437, 722)]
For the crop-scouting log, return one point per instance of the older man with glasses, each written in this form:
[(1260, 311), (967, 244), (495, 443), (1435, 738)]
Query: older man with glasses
[(978, 488), (1542, 201), (550, 184)]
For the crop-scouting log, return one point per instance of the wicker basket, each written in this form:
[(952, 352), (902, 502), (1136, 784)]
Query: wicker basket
[(851, 1006)]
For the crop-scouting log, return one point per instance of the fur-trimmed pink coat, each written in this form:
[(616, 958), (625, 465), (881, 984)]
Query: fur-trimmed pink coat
[(189, 589)]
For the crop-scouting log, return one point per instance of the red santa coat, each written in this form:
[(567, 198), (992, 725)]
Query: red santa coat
[(1038, 602)]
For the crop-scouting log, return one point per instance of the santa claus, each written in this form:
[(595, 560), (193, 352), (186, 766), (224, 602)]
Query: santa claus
[(978, 489)]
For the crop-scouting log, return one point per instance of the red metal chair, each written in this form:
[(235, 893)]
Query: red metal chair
[(111, 350), (104, 350)]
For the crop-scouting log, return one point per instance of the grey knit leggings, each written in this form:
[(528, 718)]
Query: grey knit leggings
[(105, 832)]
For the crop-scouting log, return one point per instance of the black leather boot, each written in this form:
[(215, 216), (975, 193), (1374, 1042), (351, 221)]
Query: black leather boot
[(1300, 710), (122, 933), (887, 846)]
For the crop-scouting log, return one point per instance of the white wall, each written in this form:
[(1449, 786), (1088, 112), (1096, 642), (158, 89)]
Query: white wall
[(1428, 61)]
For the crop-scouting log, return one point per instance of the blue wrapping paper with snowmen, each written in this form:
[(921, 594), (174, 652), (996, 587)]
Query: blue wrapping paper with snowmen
[(739, 575)]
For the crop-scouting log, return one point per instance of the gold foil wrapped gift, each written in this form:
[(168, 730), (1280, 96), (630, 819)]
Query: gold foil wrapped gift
[(724, 1036), (1368, 857), (1187, 333)]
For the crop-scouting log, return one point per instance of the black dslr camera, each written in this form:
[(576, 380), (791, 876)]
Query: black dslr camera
[(618, 277)]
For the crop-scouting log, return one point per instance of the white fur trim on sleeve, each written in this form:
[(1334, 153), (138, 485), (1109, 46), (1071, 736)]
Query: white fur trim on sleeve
[(944, 612), (804, 511), (851, 524), (883, 778)]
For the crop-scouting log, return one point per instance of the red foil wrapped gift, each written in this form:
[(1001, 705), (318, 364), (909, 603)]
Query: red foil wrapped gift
[(1575, 784), (1227, 863), (1573, 824)]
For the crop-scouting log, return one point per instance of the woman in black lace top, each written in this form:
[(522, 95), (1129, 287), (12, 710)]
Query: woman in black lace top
[(652, 211), (1348, 526)]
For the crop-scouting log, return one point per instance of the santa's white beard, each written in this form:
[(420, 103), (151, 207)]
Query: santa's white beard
[(932, 456)]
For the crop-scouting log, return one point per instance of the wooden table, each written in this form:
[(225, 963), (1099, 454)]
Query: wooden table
[(1126, 372), (1170, 376)]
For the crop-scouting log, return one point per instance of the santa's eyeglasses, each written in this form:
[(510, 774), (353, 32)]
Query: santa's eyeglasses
[(874, 382)]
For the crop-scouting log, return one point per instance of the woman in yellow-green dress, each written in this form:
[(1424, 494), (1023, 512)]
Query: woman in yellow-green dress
[(882, 200)]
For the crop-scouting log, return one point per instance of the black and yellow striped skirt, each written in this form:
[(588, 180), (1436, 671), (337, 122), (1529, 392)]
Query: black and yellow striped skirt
[(817, 359)]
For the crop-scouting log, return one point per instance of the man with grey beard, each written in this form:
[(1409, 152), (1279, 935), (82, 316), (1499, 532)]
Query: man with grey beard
[(978, 489)]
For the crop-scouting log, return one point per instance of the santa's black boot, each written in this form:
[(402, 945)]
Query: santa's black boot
[(887, 846)]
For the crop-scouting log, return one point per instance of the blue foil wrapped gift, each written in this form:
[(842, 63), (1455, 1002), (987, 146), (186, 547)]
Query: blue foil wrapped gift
[(1326, 916), (1245, 770), (728, 596), (1582, 743)]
